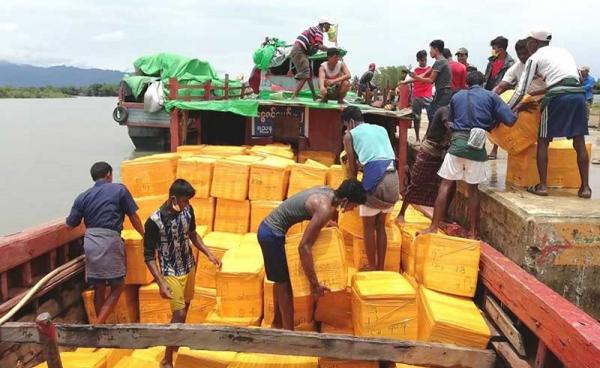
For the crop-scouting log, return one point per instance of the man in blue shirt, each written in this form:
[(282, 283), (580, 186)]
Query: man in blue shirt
[(587, 82), (103, 208), (469, 109)]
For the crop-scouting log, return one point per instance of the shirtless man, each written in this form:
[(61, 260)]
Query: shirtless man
[(334, 77)]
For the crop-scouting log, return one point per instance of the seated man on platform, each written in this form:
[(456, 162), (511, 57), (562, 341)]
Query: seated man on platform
[(319, 205), (334, 77), (472, 112)]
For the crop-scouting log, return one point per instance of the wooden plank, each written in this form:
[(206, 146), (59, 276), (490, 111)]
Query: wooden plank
[(174, 130), (571, 334), (207, 87), (508, 354), (49, 340), (16, 249), (502, 320), (403, 126), (226, 87), (26, 274), (173, 89), (4, 286), (52, 260), (541, 355), (224, 338)]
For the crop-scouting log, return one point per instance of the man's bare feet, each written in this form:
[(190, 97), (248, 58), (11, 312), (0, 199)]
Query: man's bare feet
[(585, 192), (429, 230), (165, 364), (400, 219)]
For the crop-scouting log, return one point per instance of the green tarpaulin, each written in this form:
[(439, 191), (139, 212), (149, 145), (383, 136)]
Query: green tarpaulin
[(137, 83), (240, 107), (262, 57)]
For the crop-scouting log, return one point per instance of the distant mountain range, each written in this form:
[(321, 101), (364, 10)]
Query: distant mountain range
[(21, 75)]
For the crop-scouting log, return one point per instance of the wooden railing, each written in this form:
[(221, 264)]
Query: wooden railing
[(210, 90), (27, 256)]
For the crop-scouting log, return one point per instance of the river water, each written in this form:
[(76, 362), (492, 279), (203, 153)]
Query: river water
[(46, 149)]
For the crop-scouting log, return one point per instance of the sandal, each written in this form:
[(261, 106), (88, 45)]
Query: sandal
[(534, 189)]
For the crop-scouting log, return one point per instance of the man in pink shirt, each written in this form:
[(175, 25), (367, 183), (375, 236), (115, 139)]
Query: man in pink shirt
[(459, 72), (422, 92)]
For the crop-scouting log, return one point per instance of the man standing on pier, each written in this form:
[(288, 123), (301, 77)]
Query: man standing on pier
[(421, 92), (103, 208), (307, 43), (169, 231)]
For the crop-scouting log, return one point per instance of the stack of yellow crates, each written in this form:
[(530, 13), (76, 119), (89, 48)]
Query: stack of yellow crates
[(188, 358), (562, 166), (171, 157), (304, 176), (204, 210), (447, 264), (147, 177), (240, 283), (214, 318), (450, 319), (323, 157), (230, 180), (269, 179), (198, 171), (232, 216), (246, 360), (205, 300), (153, 308), (190, 149), (282, 151), (222, 151), (384, 305), (218, 243), (259, 210), (249, 159), (126, 310), (137, 271)]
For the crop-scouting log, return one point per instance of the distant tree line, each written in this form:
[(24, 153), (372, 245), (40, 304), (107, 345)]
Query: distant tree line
[(96, 90), (597, 87)]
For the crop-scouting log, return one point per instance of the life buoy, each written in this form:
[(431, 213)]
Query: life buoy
[(120, 114)]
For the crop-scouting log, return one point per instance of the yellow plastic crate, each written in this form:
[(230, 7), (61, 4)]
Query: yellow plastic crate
[(348, 247), (147, 177), (329, 262), (204, 302), (146, 206), (408, 250), (218, 243), (298, 228), (214, 318), (75, 359), (153, 354), (335, 309), (188, 358), (230, 180), (137, 271), (126, 310), (240, 284), (153, 308), (246, 360), (338, 363), (171, 157), (447, 264), (335, 176), (136, 362), (384, 305), (194, 149), (273, 150), (351, 222), (259, 210), (268, 304), (269, 180), (113, 356), (323, 157), (562, 166), (250, 241), (450, 319), (232, 216), (304, 308), (198, 171), (204, 210), (222, 151), (304, 177)]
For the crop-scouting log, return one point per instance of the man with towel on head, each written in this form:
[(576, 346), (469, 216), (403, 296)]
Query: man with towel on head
[(103, 208), (564, 109)]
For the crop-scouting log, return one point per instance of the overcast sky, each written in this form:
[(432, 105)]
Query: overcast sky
[(111, 34)]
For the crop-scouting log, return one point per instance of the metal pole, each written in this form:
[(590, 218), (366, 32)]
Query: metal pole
[(49, 340)]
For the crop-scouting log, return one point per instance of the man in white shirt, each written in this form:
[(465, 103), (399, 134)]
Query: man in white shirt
[(564, 111)]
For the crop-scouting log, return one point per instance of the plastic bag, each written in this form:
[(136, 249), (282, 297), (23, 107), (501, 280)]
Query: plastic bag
[(154, 97), (477, 138)]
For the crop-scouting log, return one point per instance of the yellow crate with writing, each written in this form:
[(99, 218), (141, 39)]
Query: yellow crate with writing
[(204, 211), (384, 305), (232, 216), (268, 305), (335, 176), (269, 180), (198, 171), (247, 360), (147, 177), (153, 308), (562, 166), (240, 283), (137, 271), (146, 206), (230, 180), (450, 319), (218, 243), (73, 359), (305, 176), (447, 264), (304, 308), (338, 363), (171, 157), (408, 251), (204, 302), (323, 157), (329, 329), (259, 210), (335, 309), (348, 247), (188, 358), (214, 318), (351, 222), (126, 310), (329, 262)]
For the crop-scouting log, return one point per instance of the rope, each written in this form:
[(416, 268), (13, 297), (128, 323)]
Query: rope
[(37, 286)]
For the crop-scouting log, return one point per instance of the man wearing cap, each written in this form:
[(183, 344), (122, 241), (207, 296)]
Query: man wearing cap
[(462, 55), (365, 83), (513, 74), (307, 43), (334, 77), (587, 82), (564, 110)]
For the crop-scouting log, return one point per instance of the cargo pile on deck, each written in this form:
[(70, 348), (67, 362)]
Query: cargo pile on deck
[(424, 293)]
